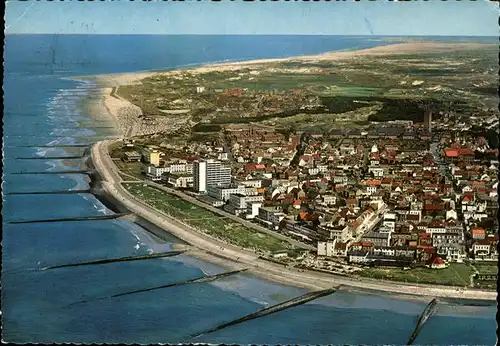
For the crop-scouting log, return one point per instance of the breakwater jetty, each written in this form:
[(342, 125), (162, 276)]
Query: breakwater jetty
[(208, 278), (73, 157), (428, 312), (61, 192), (273, 309), (119, 259), (57, 146), (81, 218), (84, 171)]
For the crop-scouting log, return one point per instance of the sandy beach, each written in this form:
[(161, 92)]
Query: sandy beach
[(209, 249), (128, 119)]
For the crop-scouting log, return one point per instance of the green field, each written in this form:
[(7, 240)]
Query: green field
[(456, 274), (206, 221), (131, 169), (486, 268)]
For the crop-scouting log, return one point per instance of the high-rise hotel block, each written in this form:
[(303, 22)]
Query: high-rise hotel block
[(428, 121), (210, 173)]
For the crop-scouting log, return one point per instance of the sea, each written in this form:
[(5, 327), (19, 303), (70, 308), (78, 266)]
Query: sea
[(46, 115)]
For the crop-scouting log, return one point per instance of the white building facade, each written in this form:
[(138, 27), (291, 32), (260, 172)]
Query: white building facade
[(210, 173)]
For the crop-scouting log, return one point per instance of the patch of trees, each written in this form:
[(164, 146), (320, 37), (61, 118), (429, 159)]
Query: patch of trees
[(491, 135), (285, 114), (394, 109), (342, 104), (484, 156), (488, 91), (206, 128)]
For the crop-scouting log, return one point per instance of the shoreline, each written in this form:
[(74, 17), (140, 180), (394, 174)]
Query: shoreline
[(209, 249)]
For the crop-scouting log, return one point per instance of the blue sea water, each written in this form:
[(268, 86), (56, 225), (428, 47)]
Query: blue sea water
[(42, 108)]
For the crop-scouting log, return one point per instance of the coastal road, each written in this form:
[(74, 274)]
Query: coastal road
[(216, 251)]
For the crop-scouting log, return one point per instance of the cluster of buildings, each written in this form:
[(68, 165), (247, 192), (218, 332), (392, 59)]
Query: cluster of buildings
[(388, 196), (486, 119)]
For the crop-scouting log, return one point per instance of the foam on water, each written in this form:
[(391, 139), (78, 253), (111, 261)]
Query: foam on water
[(41, 152), (52, 165), (143, 238), (63, 105), (81, 181), (96, 204), (206, 267)]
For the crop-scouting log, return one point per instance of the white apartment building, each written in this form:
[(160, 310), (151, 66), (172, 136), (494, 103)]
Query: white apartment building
[(200, 176), (322, 168), (313, 171), (210, 173), (223, 192), (342, 233), (223, 156), (154, 173), (271, 214), (331, 248), (377, 171), (253, 210), (390, 221), (181, 168), (329, 199), (178, 180), (435, 229), (240, 201), (251, 183), (251, 191)]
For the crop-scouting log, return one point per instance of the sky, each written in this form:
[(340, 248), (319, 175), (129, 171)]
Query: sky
[(381, 17)]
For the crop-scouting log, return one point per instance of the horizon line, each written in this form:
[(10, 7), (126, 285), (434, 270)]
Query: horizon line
[(297, 34)]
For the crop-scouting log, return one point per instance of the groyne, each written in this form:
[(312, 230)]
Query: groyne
[(72, 157), (80, 218), (119, 259), (428, 312), (273, 309), (84, 171), (60, 192), (57, 146), (207, 278)]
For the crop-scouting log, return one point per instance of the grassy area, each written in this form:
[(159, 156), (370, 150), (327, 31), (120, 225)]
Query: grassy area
[(131, 168), (456, 274), (486, 268), (206, 221), (486, 284), (113, 147), (126, 177)]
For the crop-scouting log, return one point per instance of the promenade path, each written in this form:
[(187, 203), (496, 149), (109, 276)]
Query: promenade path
[(214, 250), (223, 213)]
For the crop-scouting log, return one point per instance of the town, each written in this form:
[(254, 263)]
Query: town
[(384, 201)]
